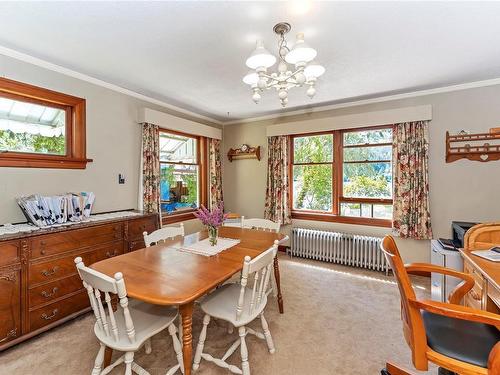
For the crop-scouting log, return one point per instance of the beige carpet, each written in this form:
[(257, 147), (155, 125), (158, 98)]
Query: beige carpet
[(338, 320)]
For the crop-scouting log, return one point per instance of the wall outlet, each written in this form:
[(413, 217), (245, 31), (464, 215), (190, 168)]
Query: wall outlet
[(121, 179)]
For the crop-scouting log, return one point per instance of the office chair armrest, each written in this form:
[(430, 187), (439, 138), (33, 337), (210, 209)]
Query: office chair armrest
[(457, 311), (455, 297)]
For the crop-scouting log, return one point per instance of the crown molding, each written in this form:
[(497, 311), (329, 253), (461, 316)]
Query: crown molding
[(413, 94), (84, 77)]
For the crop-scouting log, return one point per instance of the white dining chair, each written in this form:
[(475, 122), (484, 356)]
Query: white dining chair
[(163, 234), (260, 224), (265, 225), (239, 305), (128, 328)]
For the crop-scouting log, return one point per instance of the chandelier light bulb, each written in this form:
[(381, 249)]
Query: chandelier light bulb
[(261, 57), (311, 91), (256, 97), (301, 52)]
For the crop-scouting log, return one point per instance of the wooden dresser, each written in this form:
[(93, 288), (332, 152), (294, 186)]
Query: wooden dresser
[(39, 285), (485, 295)]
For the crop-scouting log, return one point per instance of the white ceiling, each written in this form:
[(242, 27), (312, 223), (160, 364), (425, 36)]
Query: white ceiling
[(192, 54)]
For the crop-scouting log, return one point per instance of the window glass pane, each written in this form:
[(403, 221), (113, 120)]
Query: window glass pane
[(313, 149), (312, 187), (368, 210), (368, 136), (368, 153), (382, 211), (178, 187), (28, 127), (350, 209), (368, 180), (177, 148)]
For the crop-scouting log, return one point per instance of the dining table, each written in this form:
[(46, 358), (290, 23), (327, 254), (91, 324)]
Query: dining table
[(165, 274)]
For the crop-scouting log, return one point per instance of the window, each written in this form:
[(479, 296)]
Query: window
[(40, 128), (343, 175), (182, 170)]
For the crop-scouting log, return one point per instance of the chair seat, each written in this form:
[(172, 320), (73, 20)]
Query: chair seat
[(148, 320), (221, 304), (466, 341)]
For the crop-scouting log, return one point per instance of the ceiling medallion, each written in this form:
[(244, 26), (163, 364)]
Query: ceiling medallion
[(301, 56)]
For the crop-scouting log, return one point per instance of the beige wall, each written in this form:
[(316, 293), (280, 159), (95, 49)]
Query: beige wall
[(462, 190), (113, 142)]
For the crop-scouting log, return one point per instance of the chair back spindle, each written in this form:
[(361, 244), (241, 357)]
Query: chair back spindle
[(163, 234), (260, 269), (101, 287)]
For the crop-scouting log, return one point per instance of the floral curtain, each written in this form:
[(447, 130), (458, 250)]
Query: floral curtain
[(150, 168), (277, 206), (215, 171), (411, 216)]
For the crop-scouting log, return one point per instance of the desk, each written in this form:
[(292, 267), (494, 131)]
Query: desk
[(485, 294), (164, 276)]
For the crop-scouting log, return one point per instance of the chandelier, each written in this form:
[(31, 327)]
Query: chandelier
[(301, 56)]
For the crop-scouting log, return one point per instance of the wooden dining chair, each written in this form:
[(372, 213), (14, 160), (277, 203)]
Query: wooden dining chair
[(128, 328), (163, 234), (239, 305), (456, 338)]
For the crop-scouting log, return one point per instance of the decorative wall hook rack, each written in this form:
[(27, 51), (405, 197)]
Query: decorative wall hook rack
[(479, 147), (244, 152)]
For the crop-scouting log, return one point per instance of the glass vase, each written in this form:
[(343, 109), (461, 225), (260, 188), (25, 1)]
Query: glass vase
[(213, 233)]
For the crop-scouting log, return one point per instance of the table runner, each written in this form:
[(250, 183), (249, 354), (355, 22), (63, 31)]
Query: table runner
[(204, 248)]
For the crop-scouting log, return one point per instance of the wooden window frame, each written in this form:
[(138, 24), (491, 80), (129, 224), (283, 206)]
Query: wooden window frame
[(202, 163), (337, 183), (75, 157)]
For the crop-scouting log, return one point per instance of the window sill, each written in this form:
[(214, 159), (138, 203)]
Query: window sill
[(28, 160), (177, 218), (315, 216)]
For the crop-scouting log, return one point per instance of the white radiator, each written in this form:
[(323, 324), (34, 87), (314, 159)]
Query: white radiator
[(342, 248)]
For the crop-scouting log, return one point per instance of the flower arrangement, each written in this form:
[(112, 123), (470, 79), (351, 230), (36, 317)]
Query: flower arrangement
[(212, 219)]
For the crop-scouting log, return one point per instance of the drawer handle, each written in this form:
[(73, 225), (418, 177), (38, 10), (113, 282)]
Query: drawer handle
[(12, 333), (42, 251), (50, 272), (51, 316), (474, 295), (50, 294), (114, 253)]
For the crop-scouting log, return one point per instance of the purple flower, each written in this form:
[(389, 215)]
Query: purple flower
[(213, 218)]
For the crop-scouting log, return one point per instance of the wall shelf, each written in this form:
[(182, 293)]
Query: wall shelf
[(244, 152), (481, 147)]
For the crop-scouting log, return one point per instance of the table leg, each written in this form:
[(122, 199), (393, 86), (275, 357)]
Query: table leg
[(107, 356), (278, 283), (187, 337)]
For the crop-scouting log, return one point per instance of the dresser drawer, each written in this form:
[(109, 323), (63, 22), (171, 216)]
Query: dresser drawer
[(10, 252), (48, 314), (138, 226), (54, 290), (55, 269), (56, 243)]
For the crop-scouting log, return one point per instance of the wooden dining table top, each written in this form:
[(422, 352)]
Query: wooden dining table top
[(165, 275)]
